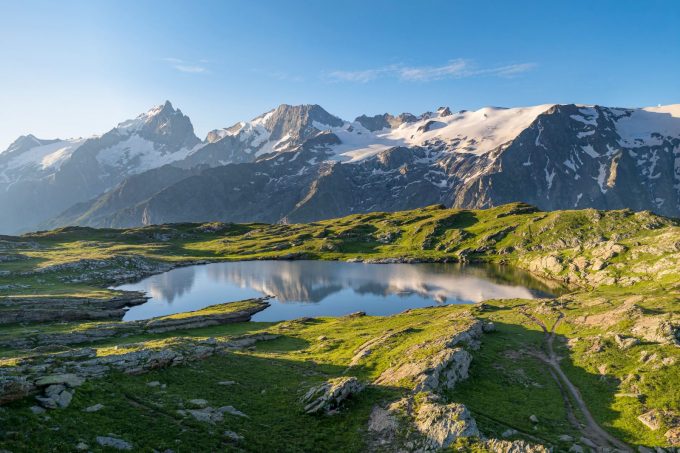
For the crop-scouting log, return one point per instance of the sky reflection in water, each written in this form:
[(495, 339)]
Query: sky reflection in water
[(329, 288)]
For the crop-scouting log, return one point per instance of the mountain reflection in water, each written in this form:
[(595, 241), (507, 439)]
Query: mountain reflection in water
[(330, 288)]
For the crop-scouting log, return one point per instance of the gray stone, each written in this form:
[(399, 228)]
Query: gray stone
[(198, 402), (442, 424), (587, 442), (231, 411), (70, 380), (329, 396), (113, 442), (233, 436), (95, 408)]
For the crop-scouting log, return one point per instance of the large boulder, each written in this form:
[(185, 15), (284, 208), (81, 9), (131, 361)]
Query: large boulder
[(329, 396), (443, 369), (441, 424)]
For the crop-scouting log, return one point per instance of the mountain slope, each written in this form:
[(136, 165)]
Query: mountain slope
[(552, 156), (41, 178), (300, 163)]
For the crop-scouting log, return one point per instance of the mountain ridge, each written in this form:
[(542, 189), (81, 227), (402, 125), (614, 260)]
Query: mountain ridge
[(556, 156)]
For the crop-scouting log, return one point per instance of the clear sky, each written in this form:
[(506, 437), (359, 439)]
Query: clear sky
[(76, 68)]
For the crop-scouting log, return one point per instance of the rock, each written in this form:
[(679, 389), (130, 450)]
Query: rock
[(673, 436), (587, 442), (95, 408), (329, 396), (608, 251), (53, 391), (82, 446), (70, 380), (509, 432), (37, 410), (533, 418), (226, 383), (488, 327), (598, 265), (566, 438), (383, 422), (57, 396), (153, 384), (652, 419), (356, 314), (322, 338), (576, 448), (114, 443), (442, 424), (550, 264), (515, 446), (233, 436), (625, 343), (47, 403), (207, 415), (231, 411), (442, 369), (198, 402), (13, 388), (64, 399)]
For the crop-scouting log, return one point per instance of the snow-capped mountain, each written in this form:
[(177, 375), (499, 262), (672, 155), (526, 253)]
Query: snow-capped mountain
[(300, 163), (279, 130), (41, 178)]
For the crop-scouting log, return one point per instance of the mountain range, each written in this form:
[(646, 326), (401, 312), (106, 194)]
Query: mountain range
[(301, 163)]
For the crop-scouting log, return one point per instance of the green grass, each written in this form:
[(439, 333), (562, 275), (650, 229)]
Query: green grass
[(507, 382)]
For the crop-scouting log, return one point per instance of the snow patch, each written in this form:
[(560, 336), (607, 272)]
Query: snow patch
[(589, 150)]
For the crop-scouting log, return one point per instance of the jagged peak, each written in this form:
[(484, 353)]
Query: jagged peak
[(26, 142)]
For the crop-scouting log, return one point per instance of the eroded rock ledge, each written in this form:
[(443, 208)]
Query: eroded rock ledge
[(231, 312), (37, 374), (46, 309)]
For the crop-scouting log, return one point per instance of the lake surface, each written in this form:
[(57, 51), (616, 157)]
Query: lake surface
[(329, 288)]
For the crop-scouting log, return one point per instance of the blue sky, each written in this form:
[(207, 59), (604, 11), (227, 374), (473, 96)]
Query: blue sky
[(74, 68)]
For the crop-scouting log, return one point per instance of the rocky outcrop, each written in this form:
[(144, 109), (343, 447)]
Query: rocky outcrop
[(445, 368), (442, 369), (18, 309), (231, 312), (34, 373), (515, 446), (327, 397), (423, 421), (441, 424)]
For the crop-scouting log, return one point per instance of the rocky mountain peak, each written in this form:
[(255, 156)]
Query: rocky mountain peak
[(298, 121), (377, 122), (24, 143), (444, 111), (162, 124)]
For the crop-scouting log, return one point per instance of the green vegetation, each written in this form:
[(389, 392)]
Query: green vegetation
[(616, 331)]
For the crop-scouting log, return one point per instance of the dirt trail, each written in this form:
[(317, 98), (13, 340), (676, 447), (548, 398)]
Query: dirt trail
[(591, 430)]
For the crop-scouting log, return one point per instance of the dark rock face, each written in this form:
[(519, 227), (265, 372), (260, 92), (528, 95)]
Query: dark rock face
[(378, 122), (562, 163)]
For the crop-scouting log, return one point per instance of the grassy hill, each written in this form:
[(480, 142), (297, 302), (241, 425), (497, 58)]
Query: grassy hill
[(615, 334)]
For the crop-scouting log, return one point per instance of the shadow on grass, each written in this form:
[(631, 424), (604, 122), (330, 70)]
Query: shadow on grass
[(508, 384), (267, 390)]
